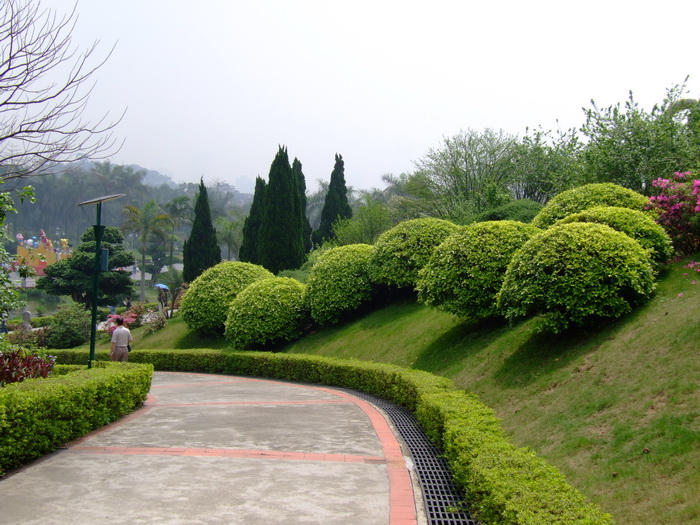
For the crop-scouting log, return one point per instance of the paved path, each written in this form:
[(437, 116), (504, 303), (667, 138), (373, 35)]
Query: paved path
[(209, 449)]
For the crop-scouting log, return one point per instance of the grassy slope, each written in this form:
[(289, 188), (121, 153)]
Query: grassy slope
[(617, 410)]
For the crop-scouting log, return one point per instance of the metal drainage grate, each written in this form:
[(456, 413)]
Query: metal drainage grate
[(443, 504)]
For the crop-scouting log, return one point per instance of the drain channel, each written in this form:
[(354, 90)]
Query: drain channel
[(443, 504)]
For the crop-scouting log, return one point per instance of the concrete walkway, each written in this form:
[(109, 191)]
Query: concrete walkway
[(209, 449)]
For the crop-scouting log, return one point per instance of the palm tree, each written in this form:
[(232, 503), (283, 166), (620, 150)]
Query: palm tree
[(147, 223), (180, 210), (229, 231)]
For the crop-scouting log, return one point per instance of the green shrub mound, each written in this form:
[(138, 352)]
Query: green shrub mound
[(638, 225), (466, 271), (588, 196), (503, 484), (268, 311), (206, 302), (339, 283), (402, 251), (521, 210), (575, 274), (39, 415)]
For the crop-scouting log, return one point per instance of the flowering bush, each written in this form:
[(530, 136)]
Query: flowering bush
[(678, 207), (130, 319)]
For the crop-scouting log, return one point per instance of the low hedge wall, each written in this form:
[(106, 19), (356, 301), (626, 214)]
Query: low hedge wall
[(39, 415), (502, 483)]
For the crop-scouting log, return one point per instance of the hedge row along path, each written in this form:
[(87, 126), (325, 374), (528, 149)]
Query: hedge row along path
[(220, 450)]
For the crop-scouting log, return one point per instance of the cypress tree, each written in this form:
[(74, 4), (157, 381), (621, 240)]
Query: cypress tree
[(280, 240), (251, 227), (201, 250), (336, 205), (305, 225)]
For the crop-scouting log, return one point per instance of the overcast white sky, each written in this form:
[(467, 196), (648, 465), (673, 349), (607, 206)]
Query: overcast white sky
[(212, 87)]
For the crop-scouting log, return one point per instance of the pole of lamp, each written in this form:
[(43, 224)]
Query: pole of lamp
[(99, 231)]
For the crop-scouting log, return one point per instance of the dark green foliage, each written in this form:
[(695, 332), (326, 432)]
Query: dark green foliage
[(587, 196), (523, 210), (206, 302), (466, 271), (301, 185), (504, 484), (37, 416), (268, 311), (336, 205), (576, 274), (251, 228), (280, 239), (74, 276), (402, 251), (201, 250), (69, 327), (339, 283), (638, 225)]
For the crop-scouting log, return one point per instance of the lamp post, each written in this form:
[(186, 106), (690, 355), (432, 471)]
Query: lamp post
[(99, 230)]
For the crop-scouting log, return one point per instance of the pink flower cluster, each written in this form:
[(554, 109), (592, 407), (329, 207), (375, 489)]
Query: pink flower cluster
[(678, 205)]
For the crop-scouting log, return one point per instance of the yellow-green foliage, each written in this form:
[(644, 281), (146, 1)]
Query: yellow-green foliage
[(339, 283), (587, 196), (206, 302), (402, 251), (267, 311), (638, 225), (39, 415), (466, 271), (503, 484), (575, 274)]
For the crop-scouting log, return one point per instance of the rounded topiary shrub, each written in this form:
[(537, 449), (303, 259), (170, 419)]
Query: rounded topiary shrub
[(574, 274), (339, 283), (267, 311), (638, 225), (402, 251), (588, 196), (466, 271), (206, 302)]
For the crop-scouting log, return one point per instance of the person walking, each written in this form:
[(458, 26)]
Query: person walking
[(121, 337)]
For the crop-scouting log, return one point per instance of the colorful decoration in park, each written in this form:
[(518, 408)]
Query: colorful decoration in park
[(39, 253)]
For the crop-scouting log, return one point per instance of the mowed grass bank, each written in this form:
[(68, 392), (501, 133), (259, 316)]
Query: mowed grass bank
[(617, 408)]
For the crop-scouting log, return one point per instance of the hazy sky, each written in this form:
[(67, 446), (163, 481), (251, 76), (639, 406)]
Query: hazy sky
[(212, 87)]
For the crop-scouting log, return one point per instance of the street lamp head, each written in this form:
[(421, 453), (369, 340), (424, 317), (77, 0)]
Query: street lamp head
[(104, 198)]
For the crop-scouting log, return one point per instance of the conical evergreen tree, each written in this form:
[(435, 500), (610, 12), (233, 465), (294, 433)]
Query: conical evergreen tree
[(201, 251), (280, 241), (305, 225), (251, 228), (336, 205)]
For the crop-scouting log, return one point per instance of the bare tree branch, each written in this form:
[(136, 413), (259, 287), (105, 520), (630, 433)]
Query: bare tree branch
[(44, 91)]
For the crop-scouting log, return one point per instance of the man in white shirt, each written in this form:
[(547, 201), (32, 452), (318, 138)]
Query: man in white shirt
[(121, 337)]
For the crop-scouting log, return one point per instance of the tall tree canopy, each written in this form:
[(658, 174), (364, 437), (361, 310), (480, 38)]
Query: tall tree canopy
[(149, 223), (201, 250), (301, 185), (74, 276), (336, 205), (251, 227), (281, 246)]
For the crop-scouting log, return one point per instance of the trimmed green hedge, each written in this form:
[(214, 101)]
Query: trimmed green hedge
[(503, 484), (38, 415), (339, 283), (587, 196), (205, 304)]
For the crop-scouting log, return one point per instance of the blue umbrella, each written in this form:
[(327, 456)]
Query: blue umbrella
[(159, 285)]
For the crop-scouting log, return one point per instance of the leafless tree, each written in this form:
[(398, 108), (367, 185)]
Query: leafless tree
[(45, 84)]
